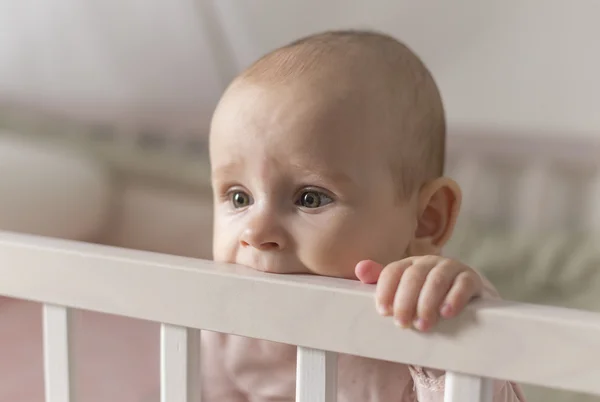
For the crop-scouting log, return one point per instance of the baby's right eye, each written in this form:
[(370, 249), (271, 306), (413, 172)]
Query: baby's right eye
[(240, 199)]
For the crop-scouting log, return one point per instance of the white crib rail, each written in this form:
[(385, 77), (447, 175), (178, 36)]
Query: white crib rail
[(58, 363), (552, 347), (316, 376), (467, 388), (179, 364)]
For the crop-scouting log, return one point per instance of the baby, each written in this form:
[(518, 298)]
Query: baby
[(327, 158)]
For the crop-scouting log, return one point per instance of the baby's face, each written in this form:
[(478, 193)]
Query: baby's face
[(303, 185)]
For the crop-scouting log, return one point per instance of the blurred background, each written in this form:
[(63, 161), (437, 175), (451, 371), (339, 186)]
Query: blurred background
[(105, 107)]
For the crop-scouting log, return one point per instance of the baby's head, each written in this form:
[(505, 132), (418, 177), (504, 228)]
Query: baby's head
[(327, 152)]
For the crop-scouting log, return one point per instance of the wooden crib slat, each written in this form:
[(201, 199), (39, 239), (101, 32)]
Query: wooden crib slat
[(515, 336), (179, 364), (467, 388), (316, 376), (58, 365)]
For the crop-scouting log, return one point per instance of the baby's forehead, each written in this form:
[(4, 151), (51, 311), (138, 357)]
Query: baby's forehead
[(318, 128), (330, 116), (362, 93), (315, 97)]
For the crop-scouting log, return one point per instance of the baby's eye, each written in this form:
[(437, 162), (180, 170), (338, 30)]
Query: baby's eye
[(313, 199), (240, 199)]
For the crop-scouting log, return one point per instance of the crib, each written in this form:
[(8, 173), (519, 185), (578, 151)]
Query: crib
[(534, 344), (545, 257)]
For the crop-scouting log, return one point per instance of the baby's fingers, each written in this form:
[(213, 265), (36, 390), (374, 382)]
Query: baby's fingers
[(434, 292), (466, 286), (368, 271), (387, 285), (409, 290)]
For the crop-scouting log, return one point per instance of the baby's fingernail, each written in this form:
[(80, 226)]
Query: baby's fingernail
[(446, 310), (401, 324), (383, 309), (421, 324)]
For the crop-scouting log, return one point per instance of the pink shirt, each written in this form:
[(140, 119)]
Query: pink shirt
[(237, 369)]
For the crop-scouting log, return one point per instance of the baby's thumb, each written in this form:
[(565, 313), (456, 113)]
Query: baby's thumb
[(368, 271)]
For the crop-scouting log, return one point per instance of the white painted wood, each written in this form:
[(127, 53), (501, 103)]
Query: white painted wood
[(467, 388), (58, 362), (533, 190), (592, 212), (316, 375), (495, 339), (179, 364), (539, 162), (522, 144), (193, 367), (467, 172)]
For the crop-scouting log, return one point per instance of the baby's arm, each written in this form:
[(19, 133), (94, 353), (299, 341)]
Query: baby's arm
[(418, 291)]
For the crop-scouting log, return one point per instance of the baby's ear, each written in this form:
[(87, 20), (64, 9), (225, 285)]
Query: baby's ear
[(438, 207)]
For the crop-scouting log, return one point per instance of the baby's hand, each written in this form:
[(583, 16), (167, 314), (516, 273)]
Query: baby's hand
[(418, 290)]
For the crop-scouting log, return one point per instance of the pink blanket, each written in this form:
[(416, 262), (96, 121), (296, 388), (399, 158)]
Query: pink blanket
[(117, 359)]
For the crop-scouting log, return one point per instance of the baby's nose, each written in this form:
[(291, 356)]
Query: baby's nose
[(263, 233), (263, 246)]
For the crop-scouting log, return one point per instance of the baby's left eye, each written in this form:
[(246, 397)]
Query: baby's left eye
[(313, 199)]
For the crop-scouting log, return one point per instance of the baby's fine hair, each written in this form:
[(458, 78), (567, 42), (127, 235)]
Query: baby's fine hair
[(403, 91)]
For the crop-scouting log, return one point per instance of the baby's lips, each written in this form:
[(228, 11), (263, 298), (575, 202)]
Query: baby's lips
[(368, 271)]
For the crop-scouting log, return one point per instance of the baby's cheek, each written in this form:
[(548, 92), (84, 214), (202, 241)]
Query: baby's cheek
[(336, 250), (224, 246)]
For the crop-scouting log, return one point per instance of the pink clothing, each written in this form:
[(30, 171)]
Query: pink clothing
[(237, 369)]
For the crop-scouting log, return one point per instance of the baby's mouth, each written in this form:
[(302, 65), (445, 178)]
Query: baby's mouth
[(273, 264), (261, 263), (270, 268)]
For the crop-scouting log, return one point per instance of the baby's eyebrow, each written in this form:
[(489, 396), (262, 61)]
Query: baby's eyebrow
[(224, 170), (325, 174), (340, 179)]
